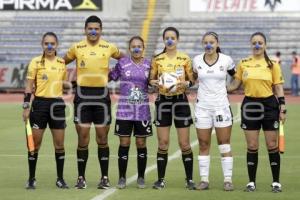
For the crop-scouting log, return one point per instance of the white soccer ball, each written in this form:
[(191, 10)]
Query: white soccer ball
[(168, 81)]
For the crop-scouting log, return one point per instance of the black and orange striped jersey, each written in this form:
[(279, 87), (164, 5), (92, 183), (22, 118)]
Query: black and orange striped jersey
[(92, 62), (257, 77), (48, 75), (181, 65)]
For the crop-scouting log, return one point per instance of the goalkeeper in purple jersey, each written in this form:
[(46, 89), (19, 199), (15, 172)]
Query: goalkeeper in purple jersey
[(133, 113)]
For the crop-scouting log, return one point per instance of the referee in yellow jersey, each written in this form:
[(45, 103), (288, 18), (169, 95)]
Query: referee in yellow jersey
[(46, 74), (92, 101), (261, 76), (173, 105)]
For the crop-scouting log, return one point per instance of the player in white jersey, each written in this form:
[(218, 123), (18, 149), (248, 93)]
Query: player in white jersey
[(212, 109)]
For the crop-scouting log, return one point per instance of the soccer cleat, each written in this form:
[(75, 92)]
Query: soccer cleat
[(104, 183), (190, 185), (60, 183), (31, 183), (250, 187), (141, 183), (228, 186), (160, 184), (276, 187), (203, 185), (81, 184), (121, 183)]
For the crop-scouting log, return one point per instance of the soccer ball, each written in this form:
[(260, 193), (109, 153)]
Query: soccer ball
[(168, 81)]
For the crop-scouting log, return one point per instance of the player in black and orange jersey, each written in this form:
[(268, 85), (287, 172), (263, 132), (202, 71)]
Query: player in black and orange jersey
[(46, 73), (261, 76), (92, 101), (171, 104)]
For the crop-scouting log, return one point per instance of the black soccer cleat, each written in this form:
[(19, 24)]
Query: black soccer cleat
[(81, 183), (31, 184), (160, 184), (276, 187), (60, 183), (104, 183), (190, 185), (250, 187)]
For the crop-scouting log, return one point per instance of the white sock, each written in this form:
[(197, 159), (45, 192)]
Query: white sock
[(227, 165), (204, 162)]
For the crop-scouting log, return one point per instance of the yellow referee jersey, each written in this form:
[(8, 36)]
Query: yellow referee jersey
[(180, 64), (48, 75), (257, 77), (92, 62)]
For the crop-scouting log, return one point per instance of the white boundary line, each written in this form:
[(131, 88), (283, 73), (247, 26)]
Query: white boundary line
[(133, 178), (175, 155)]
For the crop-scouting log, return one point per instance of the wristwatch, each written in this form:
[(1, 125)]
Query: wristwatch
[(26, 105)]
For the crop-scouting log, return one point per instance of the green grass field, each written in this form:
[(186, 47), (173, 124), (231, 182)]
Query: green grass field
[(14, 169)]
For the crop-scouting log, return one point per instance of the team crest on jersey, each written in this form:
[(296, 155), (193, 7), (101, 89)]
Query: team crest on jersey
[(45, 77), (136, 96), (82, 64), (221, 68)]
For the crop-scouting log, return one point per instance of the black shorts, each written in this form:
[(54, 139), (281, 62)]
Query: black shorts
[(48, 111), (260, 113), (168, 107), (92, 105), (139, 128)]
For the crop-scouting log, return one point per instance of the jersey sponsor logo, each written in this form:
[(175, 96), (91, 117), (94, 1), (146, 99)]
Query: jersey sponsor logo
[(179, 71), (81, 46), (180, 58), (210, 71), (92, 53), (158, 59), (53, 68), (104, 46)]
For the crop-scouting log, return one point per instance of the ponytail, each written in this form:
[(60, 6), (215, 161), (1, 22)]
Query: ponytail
[(164, 51), (218, 50), (268, 60)]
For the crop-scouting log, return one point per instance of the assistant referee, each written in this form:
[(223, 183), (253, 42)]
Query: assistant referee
[(261, 108)]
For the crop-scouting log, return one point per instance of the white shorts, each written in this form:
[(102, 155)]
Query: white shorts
[(207, 118)]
